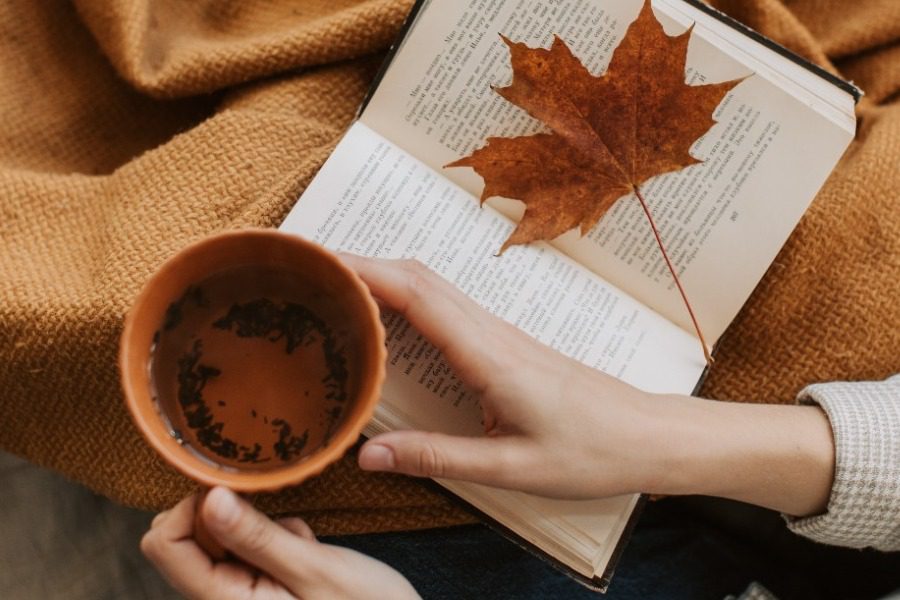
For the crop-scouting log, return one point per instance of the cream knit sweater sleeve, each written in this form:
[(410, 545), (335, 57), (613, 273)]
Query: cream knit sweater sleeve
[(864, 507)]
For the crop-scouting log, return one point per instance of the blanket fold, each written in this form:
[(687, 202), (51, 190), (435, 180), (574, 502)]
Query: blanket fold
[(134, 127)]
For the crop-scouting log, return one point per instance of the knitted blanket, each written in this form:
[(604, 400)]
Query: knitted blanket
[(133, 127)]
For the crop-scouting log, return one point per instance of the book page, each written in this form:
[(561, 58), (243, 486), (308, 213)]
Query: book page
[(723, 221), (581, 533), (372, 198)]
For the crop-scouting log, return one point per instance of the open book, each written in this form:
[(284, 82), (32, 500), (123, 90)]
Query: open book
[(606, 299)]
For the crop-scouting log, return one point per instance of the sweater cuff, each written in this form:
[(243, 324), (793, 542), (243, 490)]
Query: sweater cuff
[(864, 507)]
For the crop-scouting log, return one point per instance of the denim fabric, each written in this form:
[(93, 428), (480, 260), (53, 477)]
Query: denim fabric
[(690, 549)]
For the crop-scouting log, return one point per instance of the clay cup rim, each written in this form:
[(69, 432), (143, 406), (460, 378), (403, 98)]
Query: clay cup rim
[(247, 247)]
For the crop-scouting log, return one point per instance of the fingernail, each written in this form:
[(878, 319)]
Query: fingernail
[(223, 506), (375, 457)]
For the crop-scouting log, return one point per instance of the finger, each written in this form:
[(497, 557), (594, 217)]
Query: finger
[(455, 324), (400, 285), (158, 519), (177, 523), (258, 540), (297, 526), (169, 545), (491, 461)]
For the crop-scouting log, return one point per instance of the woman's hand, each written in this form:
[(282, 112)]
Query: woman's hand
[(278, 560), (557, 428)]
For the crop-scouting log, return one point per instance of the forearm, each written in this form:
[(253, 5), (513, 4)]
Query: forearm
[(779, 457)]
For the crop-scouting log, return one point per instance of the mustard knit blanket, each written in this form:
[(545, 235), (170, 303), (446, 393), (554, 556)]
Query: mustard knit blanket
[(133, 127)]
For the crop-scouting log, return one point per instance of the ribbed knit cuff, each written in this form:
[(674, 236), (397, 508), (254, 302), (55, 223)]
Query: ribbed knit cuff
[(864, 507)]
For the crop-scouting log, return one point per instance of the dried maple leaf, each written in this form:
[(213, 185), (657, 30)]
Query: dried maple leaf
[(610, 133)]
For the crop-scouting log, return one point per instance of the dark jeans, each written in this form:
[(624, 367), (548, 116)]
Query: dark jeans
[(692, 548)]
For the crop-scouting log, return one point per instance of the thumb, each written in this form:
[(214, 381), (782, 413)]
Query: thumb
[(256, 539), (491, 461)]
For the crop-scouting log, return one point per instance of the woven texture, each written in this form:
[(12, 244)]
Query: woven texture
[(133, 127), (864, 507)]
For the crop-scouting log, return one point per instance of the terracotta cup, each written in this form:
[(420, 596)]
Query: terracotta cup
[(252, 359)]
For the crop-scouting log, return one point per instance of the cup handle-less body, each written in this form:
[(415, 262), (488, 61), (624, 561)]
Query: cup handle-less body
[(204, 539)]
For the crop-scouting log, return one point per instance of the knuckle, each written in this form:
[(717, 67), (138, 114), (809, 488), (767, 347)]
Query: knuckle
[(416, 270), (419, 282), (258, 536), (518, 467), (297, 526), (149, 544), (325, 564), (429, 461), (158, 519), (414, 267), (509, 352), (224, 589), (500, 461), (510, 461)]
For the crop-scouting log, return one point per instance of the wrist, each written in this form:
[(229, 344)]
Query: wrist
[(679, 444), (776, 456)]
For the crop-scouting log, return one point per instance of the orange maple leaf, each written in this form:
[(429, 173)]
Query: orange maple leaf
[(610, 133)]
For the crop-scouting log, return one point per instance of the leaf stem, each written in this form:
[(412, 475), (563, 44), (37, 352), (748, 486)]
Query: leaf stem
[(662, 248)]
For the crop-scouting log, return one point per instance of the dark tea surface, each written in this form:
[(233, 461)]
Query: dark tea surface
[(253, 368)]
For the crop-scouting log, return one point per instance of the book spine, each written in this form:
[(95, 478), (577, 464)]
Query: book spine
[(391, 53), (772, 45)]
